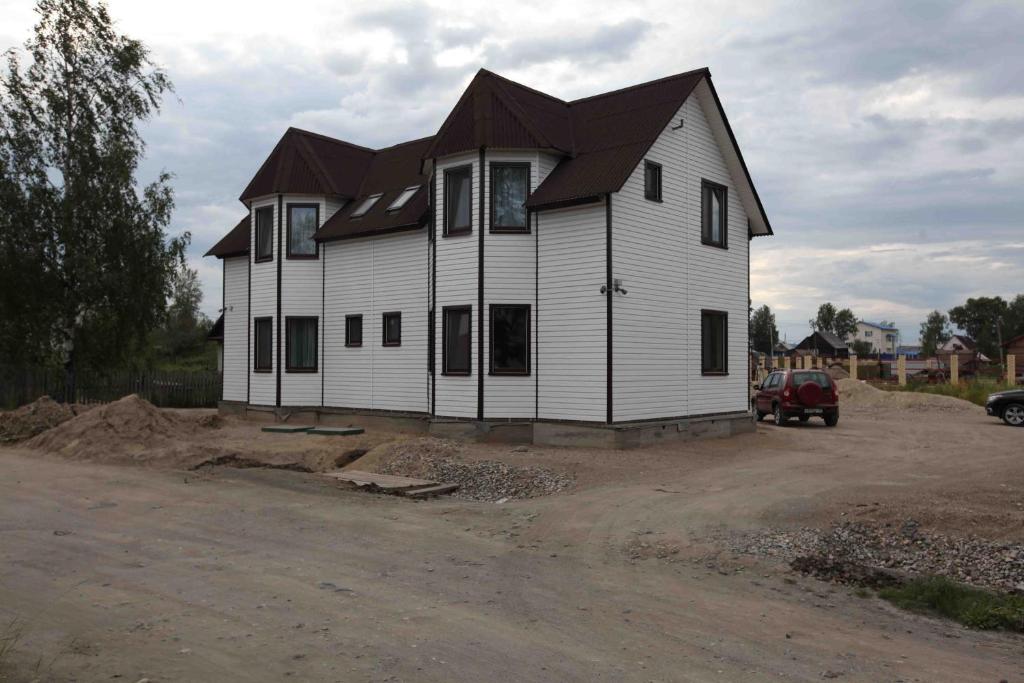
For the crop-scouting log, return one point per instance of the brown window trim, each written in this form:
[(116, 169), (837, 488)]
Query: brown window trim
[(652, 164), (529, 342), (508, 229), (358, 344), (287, 342), (384, 329), (445, 232), (724, 244), (288, 234), (256, 236), (255, 340), (725, 341), (444, 341)]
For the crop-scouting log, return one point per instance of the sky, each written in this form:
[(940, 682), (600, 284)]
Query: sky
[(886, 139)]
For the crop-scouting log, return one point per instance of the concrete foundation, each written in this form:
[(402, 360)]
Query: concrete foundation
[(541, 433)]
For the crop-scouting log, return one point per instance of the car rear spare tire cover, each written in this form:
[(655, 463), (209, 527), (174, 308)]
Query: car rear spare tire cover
[(809, 393)]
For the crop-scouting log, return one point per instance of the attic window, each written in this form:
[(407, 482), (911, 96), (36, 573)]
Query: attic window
[(652, 181), (365, 206), (403, 198)]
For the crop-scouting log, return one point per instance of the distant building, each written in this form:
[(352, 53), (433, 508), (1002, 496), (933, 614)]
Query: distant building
[(823, 344), (962, 346), (884, 339), (911, 352)]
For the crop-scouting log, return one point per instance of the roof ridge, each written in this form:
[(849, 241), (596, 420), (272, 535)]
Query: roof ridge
[(520, 85), (403, 144), (328, 138), (664, 79)]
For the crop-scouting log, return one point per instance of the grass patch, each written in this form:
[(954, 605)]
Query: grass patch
[(972, 607), (976, 391)]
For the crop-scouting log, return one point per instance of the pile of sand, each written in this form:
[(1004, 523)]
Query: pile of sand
[(34, 418), (129, 429), (863, 397), (837, 372)]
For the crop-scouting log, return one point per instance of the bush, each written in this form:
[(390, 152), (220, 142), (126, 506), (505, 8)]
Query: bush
[(972, 607)]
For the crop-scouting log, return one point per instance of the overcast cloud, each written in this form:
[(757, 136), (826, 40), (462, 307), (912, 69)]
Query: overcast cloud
[(886, 139)]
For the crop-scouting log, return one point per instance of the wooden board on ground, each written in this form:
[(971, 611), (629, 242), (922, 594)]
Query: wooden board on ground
[(335, 431), (390, 483), (287, 429)]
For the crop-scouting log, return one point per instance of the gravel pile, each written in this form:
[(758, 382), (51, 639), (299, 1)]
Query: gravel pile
[(483, 480), (902, 549), (34, 418)]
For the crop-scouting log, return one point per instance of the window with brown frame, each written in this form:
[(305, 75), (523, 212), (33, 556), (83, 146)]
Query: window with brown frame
[(263, 344), (510, 188), (300, 344), (353, 330), (510, 339), (652, 181), (456, 340), (303, 220), (392, 329), (264, 234), (458, 200), (714, 347), (713, 214)]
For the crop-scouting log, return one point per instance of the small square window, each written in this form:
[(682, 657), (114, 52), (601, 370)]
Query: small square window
[(263, 344), (365, 206), (392, 329), (300, 341), (264, 233), (456, 340), (652, 181), (714, 348), (712, 208), (353, 330)]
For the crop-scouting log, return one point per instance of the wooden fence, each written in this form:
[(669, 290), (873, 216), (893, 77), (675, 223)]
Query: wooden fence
[(21, 385)]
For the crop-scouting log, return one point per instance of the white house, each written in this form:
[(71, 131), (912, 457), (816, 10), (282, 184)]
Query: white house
[(883, 337), (570, 268)]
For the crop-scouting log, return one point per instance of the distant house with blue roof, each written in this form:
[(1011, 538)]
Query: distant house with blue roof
[(883, 338)]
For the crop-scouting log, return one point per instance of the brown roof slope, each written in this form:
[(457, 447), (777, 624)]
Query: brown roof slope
[(612, 132), (498, 113), (307, 163), (235, 243), (392, 170)]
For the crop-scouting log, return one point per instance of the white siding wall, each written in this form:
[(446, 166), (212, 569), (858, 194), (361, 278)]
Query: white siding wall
[(263, 385), (370, 277), (509, 278), (571, 350), (236, 320), (670, 276), (457, 286)]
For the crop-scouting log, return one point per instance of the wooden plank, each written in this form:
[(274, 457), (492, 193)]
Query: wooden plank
[(387, 482), (335, 431), (428, 491), (286, 429)]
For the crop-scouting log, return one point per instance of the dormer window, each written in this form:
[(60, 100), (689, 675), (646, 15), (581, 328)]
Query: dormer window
[(403, 199), (366, 205)]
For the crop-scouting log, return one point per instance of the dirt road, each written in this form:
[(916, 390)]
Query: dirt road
[(124, 573)]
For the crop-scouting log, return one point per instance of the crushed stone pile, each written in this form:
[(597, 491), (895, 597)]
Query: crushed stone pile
[(866, 553), (129, 429), (34, 418), (862, 397), (480, 480)]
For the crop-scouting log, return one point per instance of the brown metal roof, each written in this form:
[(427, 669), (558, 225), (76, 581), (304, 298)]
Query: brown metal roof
[(392, 170), (307, 163), (235, 243)]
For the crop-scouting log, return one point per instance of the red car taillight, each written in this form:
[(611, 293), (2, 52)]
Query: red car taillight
[(787, 393)]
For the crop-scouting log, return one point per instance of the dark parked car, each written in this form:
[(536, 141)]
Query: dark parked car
[(1008, 405), (798, 393)]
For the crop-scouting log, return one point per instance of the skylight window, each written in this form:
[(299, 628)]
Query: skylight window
[(365, 206), (403, 199)]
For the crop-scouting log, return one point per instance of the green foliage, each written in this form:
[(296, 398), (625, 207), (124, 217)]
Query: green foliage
[(862, 348), (983, 319), (763, 333), (972, 607), (934, 333), (840, 322), (85, 263)]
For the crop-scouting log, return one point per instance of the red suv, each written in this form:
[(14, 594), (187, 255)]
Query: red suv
[(798, 393)]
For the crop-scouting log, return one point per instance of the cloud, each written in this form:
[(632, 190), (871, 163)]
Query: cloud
[(608, 43)]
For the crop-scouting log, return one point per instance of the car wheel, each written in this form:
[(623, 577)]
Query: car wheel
[(1013, 415), (832, 419), (780, 418)]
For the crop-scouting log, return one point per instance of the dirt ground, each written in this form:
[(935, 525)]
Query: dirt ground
[(118, 572)]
